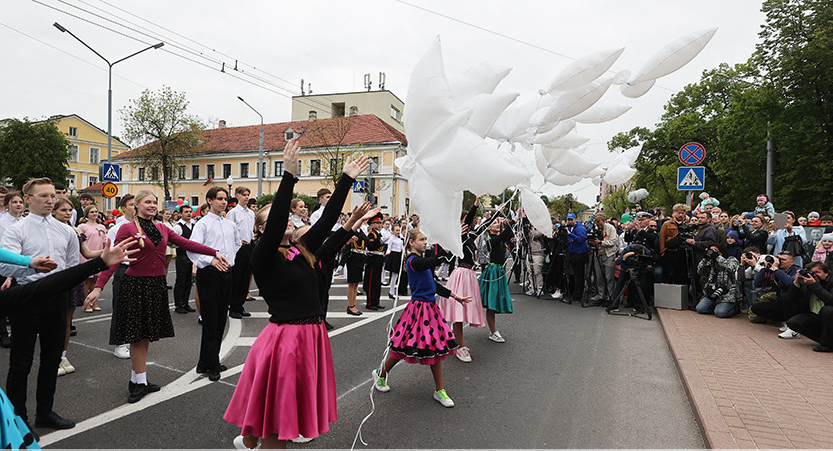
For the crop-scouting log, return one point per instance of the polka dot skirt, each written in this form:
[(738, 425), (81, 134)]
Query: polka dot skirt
[(143, 311), (421, 335)]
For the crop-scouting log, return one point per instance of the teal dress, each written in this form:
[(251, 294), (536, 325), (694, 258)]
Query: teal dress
[(494, 285)]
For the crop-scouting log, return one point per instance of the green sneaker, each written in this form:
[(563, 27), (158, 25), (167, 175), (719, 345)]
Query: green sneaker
[(442, 397), (380, 383)]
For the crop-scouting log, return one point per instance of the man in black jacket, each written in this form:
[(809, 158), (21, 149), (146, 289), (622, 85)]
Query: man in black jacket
[(812, 293), (705, 237)]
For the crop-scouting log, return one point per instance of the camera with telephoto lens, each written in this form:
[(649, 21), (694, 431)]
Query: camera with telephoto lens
[(712, 254), (769, 260), (749, 255), (713, 291), (594, 234), (638, 259), (805, 273)]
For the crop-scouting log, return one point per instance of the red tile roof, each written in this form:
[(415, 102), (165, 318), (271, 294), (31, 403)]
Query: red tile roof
[(363, 129), (92, 188)]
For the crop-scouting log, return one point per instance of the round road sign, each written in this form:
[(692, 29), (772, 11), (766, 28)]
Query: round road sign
[(692, 154), (109, 189)]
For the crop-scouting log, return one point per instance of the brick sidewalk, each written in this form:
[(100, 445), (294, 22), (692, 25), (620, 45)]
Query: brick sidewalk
[(749, 388)]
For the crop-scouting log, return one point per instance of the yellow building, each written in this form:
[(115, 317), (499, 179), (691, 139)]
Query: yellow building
[(383, 104), (230, 155), (88, 148)]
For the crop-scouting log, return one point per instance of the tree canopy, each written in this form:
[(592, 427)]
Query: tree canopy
[(31, 150), (783, 89), (160, 124)]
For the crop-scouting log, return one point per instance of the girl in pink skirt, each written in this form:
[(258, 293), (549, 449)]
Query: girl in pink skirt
[(421, 334), (287, 387)]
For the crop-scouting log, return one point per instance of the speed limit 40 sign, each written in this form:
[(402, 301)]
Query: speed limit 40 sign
[(109, 189)]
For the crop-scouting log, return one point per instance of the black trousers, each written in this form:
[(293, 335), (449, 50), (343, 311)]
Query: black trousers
[(241, 272), (214, 287), (117, 278), (781, 310), (579, 264), (817, 327), (373, 278), (182, 286), (49, 323)]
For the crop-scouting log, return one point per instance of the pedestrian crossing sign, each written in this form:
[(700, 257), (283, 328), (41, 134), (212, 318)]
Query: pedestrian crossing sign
[(111, 173), (691, 178)]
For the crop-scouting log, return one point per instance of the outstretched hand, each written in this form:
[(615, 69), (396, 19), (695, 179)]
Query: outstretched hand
[(290, 156), (355, 168), (43, 264), (117, 254), (358, 213)]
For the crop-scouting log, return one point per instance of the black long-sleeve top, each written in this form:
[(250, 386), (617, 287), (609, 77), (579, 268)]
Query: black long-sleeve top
[(497, 244), (469, 238), (291, 287)]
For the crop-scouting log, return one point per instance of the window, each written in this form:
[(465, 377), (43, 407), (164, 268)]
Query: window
[(337, 109), (226, 170), (73, 153), (279, 168), (394, 113), (93, 179), (209, 171), (195, 171), (180, 172), (154, 173), (314, 167), (300, 166), (244, 170), (141, 174), (374, 165), (73, 131), (333, 166), (95, 155), (289, 133), (71, 180), (195, 202)]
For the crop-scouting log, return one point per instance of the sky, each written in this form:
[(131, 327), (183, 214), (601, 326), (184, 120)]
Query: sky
[(332, 44)]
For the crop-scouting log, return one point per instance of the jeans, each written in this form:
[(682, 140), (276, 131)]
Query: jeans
[(720, 310)]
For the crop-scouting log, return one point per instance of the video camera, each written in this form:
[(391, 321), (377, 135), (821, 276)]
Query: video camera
[(593, 233)]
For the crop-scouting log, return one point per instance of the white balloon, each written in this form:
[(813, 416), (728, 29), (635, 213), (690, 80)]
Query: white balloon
[(560, 130), (576, 101), (636, 90), (428, 102), (569, 141), (536, 210), (486, 108), (674, 56), (619, 174), (480, 79), (559, 179), (570, 162), (540, 161), (584, 70), (601, 112)]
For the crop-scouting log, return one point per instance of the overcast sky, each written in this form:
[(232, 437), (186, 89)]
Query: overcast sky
[(332, 44)]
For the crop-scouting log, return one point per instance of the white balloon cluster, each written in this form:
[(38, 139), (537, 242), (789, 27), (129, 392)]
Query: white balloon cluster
[(448, 118)]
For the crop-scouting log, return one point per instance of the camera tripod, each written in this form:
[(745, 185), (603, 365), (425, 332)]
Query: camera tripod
[(590, 275), (633, 284)]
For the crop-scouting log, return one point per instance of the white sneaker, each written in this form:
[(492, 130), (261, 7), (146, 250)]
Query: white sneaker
[(122, 351), (783, 328), (238, 443), (497, 338), (61, 371), (463, 354), (789, 333), (68, 368), (557, 294), (301, 439), (443, 398), (530, 292), (380, 383)]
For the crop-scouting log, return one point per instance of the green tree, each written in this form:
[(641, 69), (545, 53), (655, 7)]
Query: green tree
[(32, 149), (168, 135), (327, 138), (561, 205)]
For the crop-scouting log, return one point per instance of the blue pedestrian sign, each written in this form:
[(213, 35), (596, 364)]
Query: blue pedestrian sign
[(358, 186), (691, 178), (111, 173)]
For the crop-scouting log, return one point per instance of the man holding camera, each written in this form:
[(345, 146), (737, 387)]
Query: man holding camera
[(812, 295), (605, 243), (774, 278), (706, 236), (720, 292), (578, 254), (634, 260), (672, 236)]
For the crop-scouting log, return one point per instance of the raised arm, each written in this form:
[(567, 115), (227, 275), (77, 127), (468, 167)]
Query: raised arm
[(267, 246)]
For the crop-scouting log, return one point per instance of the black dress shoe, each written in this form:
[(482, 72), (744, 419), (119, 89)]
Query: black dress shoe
[(53, 421), (235, 315), (372, 307), (72, 331), (139, 391), (245, 313), (822, 348), (152, 388), (391, 297), (380, 307), (181, 310), (5, 341), (214, 374), (189, 309), (204, 369), (355, 312)]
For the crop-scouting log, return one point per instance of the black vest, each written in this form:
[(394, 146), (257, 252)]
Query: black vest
[(186, 233)]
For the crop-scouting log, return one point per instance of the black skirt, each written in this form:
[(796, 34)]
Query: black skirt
[(393, 262), (143, 312), (355, 267)]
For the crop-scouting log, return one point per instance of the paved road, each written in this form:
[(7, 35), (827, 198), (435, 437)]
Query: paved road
[(567, 377)]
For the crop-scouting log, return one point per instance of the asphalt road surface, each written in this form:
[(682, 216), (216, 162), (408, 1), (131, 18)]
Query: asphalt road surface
[(567, 377)]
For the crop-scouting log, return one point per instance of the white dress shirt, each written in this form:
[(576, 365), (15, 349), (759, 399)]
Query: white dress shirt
[(244, 220), (216, 232), (38, 236), (394, 242), (316, 215), (6, 220), (111, 234), (178, 229)]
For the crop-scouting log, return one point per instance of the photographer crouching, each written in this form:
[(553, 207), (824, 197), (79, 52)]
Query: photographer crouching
[(635, 262), (645, 233), (720, 291)]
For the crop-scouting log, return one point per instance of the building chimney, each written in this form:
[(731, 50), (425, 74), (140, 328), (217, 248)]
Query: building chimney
[(313, 115), (222, 124), (354, 110)]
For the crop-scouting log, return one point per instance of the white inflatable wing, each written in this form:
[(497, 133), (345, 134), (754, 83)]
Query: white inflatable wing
[(619, 174), (536, 211), (559, 179), (584, 70), (569, 141), (576, 101), (674, 56), (559, 131), (540, 161), (439, 210), (486, 109), (601, 112), (636, 90), (476, 80)]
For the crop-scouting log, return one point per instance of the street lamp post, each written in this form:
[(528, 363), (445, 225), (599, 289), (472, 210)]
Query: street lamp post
[(770, 145), (109, 88), (229, 182), (260, 151)]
